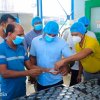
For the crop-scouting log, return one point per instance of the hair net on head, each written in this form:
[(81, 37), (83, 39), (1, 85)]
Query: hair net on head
[(35, 20), (17, 20), (84, 20), (78, 27), (51, 28)]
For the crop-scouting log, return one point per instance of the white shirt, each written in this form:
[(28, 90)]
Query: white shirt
[(90, 33), (68, 37)]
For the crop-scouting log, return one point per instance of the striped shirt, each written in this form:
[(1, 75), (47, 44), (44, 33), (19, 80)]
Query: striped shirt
[(14, 60), (29, 37)]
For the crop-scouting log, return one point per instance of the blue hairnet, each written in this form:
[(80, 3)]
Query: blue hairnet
[(17, 20), (35, 20), (51, 28), (84, 20), (78, 27)]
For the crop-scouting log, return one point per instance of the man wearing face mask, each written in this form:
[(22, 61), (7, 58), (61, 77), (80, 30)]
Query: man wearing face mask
[(36, 31), (88, 52), (46, 50), (12, 61), (4, 21), (86, 23)]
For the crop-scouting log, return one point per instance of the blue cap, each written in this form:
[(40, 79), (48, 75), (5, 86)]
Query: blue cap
[(51, 28), (36, 20), (84, 20), (78, 27), (17, 20)]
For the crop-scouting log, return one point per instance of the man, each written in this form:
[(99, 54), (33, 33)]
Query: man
[(36, 31), (75, 68), (45, 51), (12, 61), (86, 22), (4, 21), (88, 52)]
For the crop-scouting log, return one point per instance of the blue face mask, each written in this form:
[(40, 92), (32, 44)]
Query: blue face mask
[(18, 40), (49, 38), (38, 27)]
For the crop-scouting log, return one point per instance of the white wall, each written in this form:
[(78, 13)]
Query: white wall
[(26, 21), (79, 8)]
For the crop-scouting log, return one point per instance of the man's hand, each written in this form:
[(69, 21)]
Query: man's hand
[(59, 64), (64, 70), (34, 72)]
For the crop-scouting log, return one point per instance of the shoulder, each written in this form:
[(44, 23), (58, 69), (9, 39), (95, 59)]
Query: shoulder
[(36, 39), (29, 33), (91, 42), (91, 34), (90, 39), (58, 39)]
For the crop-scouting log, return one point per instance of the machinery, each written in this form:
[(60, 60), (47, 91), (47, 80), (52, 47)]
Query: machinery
[(88, 90)]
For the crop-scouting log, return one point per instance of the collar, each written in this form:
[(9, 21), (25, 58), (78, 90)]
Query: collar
[(8, 46)]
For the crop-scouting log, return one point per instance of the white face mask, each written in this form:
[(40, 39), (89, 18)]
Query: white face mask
[(76, 39)]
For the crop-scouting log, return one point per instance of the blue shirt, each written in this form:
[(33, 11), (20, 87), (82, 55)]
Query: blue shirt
[(14, 60), (47, 55), (29, 37)]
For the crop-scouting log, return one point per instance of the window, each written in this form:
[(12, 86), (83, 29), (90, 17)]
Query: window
[(18, 6), (58, 10)]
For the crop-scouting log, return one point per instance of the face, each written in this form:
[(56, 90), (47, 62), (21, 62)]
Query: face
[(52, 35), (19, 31), (77, 34), (9, 21), (37, 23), (49, 37), (77, 37), (38, 26)]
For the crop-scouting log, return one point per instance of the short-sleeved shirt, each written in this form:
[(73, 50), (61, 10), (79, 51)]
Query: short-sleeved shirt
[(90, 63), (47, 54), (1, 40), (14, 60), (29, 37)]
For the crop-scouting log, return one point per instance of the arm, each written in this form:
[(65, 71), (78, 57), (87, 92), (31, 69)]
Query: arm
[(80, 72), (11, 74), (80, 68), (32, 64), (81, 55), (33, 72), (33, 60)]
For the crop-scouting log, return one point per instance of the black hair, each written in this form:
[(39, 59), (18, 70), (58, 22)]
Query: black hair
[(5, 17), (10, 28)]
